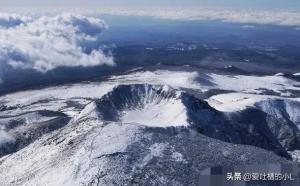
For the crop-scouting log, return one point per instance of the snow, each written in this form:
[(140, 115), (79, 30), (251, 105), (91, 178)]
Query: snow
[(178, 157), (93, 140), (234, 101), (247, 90), (115, 138), (5, 137), (282, 109), (50, 161), (293, 110), (295, 155), (88, 111), (80, 90), (297, 74), (175, 79), (279, 74), (157, 149), (27, 118), (273, 105), (254, 84), (240, 83), (35, 118), (99, 145), (238, 101), (174, 114), (55, 98)]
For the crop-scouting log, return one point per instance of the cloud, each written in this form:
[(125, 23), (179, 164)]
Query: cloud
[(284, 18), (12, 20), (243, 15), (47, 42)]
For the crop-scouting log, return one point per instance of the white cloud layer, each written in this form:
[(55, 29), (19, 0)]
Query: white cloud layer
[(47, 42), (247, 16), (12, 20), (240, 16), (255, 16), (284, 18)]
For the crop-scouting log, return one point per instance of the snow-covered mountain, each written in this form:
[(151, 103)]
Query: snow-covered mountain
[(147, 128)]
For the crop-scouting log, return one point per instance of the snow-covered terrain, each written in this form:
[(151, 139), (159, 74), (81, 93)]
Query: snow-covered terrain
[(131, 128)]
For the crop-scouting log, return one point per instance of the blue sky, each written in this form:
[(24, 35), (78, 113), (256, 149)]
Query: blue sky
[(255, 4)]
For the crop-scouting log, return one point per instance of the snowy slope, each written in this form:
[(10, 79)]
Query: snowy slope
[(130, 129), (123, 154)]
